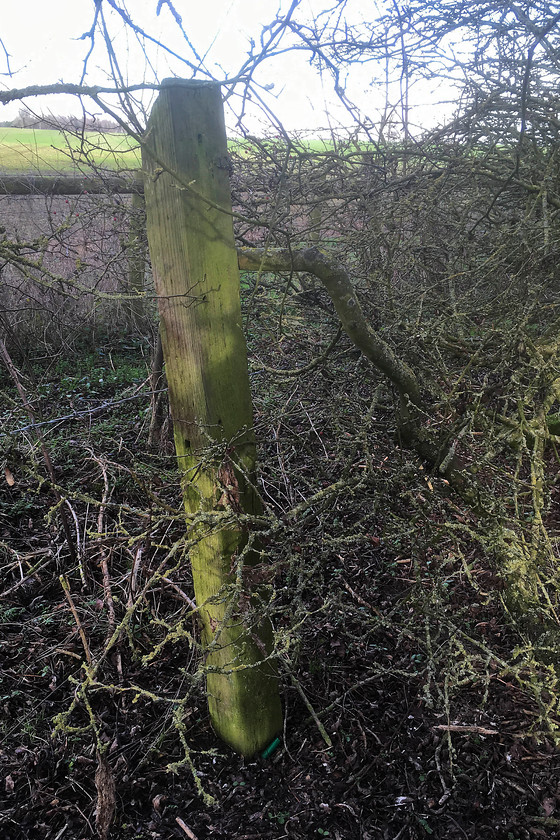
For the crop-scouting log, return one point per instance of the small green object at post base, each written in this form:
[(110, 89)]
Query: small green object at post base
[(270, 749)]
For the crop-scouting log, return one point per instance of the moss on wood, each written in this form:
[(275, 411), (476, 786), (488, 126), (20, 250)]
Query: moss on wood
[(197, 282)]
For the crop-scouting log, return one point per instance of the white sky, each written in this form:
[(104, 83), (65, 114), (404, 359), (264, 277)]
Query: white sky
[(42, 38)]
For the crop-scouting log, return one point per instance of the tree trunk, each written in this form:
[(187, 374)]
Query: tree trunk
[(136, 251), (190, 235), (158, 400)]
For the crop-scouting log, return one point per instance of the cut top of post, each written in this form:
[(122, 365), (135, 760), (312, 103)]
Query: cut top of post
[(174, 81)]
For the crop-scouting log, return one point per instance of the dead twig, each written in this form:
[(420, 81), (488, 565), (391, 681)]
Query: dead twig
[(186, 829), (323, 732), (104, 562), (66, 587), (477, 730)]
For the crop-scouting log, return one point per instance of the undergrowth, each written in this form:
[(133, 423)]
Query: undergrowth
[(379, 580)]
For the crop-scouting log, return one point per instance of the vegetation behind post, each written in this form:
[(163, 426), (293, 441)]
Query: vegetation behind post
[(137, 262), (196, 278)]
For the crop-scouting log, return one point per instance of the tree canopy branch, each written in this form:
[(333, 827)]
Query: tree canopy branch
[(73, 89), (336, 281)]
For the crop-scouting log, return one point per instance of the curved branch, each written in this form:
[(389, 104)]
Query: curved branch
[(337, 283)]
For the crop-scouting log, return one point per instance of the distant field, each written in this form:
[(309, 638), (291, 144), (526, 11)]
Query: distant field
[(42, 150), (45, 151)]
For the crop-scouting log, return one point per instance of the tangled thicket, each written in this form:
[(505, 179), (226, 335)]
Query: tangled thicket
[(426, 558)]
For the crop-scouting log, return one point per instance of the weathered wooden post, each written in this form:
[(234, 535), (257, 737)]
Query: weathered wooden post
[(194, 262)]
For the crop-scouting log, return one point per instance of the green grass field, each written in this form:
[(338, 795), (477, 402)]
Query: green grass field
[(45, 151), (48, 151)]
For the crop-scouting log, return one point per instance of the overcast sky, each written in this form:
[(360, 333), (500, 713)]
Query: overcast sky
[(42, 38)]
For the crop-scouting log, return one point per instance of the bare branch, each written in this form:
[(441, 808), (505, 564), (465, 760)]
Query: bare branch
[(337, 283), (75, 90)]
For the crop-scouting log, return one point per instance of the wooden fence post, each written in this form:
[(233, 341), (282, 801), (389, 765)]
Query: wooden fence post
[(196, 278)]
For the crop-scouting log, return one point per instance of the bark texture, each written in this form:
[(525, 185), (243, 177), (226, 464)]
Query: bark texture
[(339, 287)]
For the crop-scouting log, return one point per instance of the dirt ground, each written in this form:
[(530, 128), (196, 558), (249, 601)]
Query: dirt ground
[(404, 713)]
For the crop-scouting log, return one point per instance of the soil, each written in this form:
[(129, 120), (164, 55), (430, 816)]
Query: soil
[(405, 713)]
